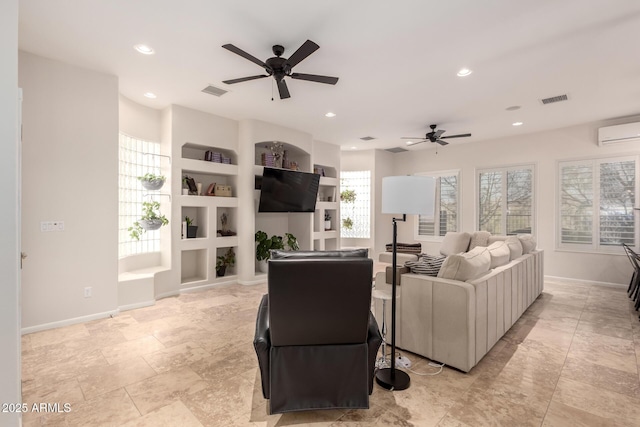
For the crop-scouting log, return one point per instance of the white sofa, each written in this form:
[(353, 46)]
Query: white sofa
[(457, 322)]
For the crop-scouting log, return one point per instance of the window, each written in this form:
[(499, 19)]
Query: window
[(135, 161), (505, 200), (596, 203), (446, 208), (355, 204)]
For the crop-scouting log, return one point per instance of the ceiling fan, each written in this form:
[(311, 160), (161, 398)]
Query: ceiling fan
[(280, 68), (436, 136)]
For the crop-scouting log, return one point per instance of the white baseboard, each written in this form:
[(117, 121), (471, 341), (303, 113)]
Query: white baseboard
[(68, 322), (251, 282), (167, 295), (586, 282), (137, 305)]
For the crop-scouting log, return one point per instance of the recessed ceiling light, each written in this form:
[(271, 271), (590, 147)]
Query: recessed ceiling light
[(412, 142), (354, 148), (330, 114), (513, 108), (464, 72), (150, 95), (517, 123), (144, 49)]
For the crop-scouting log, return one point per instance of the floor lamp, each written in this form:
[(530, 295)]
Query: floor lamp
[(402, 195)]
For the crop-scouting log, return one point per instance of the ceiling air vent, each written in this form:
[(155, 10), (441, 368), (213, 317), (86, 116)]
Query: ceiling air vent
[(553, 99), (212, 90), (396, 150), (367, 138)]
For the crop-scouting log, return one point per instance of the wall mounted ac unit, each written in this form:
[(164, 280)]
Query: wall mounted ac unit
[(620, 133)]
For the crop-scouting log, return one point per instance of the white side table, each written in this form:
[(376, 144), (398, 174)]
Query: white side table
[(384, 296)]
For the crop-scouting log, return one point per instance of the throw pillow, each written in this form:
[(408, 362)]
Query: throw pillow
[(479, 238), (427, 264), (454, 243), (528, 243), (500, 254), (514, 246), (466, 266)]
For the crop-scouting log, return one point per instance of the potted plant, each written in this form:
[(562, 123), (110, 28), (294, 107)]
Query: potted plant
[(192, 230), (327, 221), (151, 181), (151, 219), (265, 244), (349, 197), (224, 261)]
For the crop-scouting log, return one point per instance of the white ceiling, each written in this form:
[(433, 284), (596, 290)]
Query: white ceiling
[(397, 61)]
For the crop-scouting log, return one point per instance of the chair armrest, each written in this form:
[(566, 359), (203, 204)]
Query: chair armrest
[(262, 343), (374, 339)]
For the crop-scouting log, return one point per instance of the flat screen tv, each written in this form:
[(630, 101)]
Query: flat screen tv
[(285, 190)]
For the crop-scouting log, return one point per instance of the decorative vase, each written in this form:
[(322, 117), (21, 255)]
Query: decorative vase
[(221, 270), (199, 187), (192, 231), (263, 266), (327, 225), (185, 191)]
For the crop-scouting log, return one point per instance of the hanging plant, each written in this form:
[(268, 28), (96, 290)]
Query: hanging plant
[(348, 196), (151, 219), (347, 223), (152, 182)]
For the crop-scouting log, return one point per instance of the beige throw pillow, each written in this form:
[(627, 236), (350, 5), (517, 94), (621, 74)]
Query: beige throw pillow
[(466, 266), (515, 247), (528, 243), (500, 254), (479, 238), (455, 242)]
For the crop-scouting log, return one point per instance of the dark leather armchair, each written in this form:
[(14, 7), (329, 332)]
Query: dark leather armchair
[(316, 338)]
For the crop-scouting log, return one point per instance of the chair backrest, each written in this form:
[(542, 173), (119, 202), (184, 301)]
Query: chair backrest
[(321, 299)]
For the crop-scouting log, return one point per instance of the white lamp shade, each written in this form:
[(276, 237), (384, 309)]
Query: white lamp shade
[(410, 194)]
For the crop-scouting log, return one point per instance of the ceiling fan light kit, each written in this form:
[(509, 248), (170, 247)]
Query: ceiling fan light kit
[(280, 67)]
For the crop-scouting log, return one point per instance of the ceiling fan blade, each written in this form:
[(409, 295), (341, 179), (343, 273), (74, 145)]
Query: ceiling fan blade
[(244, 79), (412, 137), (410, 143), (441, 142), (315, 78), (283, 89), (303, 51), (438, 133), (245, 55), (457, 136)]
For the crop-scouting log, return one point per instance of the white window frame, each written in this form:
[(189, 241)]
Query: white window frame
[(505, 170), (438, 174), (594, 246)]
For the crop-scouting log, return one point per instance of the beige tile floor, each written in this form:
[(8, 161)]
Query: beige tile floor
[(571, 360)]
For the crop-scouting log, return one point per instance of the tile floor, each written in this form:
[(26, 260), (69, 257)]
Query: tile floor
[(571, 360)]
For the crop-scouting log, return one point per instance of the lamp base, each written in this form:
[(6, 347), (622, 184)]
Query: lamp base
[(400, 381)]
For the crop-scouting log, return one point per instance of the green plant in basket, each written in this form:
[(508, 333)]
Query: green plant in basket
[(151, 219)]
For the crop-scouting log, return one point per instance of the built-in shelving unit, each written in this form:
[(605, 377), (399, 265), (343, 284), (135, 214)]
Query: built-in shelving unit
[(328, 204), (198, 255)]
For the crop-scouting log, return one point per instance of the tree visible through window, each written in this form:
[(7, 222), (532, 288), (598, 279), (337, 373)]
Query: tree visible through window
[(505, 200), (596, 203), (446, 207)]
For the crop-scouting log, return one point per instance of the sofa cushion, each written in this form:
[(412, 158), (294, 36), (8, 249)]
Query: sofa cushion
[(466, 266), (406, 248), (500, 253), (515, 247), (427, 264), (479, 238), (528, 243), (454, 243), (346, 253)]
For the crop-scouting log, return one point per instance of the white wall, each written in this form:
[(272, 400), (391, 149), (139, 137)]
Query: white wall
[(139, 121), (544, 150), (70, 174), (9, 221)]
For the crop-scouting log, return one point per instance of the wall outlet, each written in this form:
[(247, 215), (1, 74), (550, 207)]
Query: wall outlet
[(87, 292), (46, 226)]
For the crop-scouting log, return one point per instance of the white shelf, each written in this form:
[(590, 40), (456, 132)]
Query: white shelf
[(209, 201), (326, 180), (326, 234), (191, 281), (327, 205), (226, 241), (192, 244), (209, 168)]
